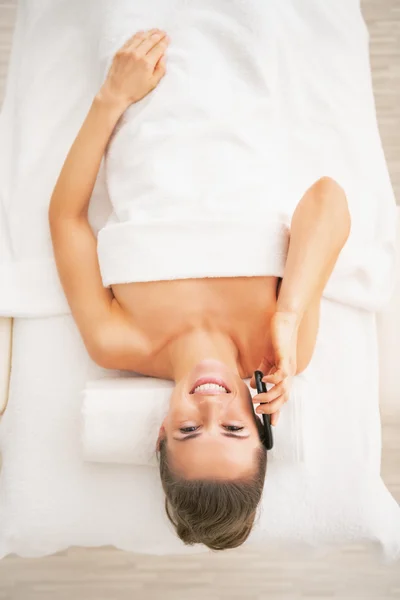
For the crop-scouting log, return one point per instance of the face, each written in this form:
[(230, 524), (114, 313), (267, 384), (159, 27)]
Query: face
[(211, 431)]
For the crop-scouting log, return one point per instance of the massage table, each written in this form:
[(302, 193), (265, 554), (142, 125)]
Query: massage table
[(49, 497)]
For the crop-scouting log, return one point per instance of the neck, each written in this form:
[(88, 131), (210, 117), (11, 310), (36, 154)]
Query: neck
[(190, 348)]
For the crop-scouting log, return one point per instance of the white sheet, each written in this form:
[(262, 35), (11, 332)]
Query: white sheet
[(46, 100), (5, 360), (49, 499)]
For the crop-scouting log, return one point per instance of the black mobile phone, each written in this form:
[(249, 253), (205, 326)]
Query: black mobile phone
[(268, 440)]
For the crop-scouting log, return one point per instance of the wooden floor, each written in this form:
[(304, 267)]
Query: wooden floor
[(348, 573)]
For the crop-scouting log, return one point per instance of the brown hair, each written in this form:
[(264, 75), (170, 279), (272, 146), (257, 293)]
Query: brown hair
[(219, 514)]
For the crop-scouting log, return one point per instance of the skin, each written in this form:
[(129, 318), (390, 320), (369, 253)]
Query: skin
[(223, 327), (226, 435)]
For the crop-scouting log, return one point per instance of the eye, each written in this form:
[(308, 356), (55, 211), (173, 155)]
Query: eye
[(233, 428), (188, 429)]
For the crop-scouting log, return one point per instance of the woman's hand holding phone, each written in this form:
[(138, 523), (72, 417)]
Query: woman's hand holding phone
[(279, 364)]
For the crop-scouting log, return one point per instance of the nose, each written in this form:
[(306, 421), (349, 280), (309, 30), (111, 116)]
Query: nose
[(210, 406), (210, 399)]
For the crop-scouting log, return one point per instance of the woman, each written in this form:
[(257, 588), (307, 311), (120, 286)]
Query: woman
[(206, 335)]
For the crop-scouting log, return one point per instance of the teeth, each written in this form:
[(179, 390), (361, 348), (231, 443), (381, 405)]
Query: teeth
[(210, 386)]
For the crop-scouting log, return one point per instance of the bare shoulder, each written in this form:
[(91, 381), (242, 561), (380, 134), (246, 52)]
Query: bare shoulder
[(119, 343)]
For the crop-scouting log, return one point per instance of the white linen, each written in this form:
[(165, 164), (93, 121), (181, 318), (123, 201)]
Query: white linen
[(5, 360), (47, 96)]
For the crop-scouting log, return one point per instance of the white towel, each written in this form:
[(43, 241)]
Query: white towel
[(205, 173), (121, 419)]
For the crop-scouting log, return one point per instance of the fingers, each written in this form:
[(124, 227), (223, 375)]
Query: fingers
[(148, 49), (273, 399), (160, 69), (134, 41), (271, 407), (158, 50), (150, 46), (275, 418), (152, 40), (272, 394), (143, 41), (275, 378)]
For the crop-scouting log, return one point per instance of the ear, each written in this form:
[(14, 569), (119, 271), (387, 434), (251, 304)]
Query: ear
[(161, 436)]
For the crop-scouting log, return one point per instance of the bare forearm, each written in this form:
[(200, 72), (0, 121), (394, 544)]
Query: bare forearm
[(75, 184), (319, 230)]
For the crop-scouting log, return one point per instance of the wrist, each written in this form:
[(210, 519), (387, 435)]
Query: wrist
[(290, 314), (289, 302), (110, 103)]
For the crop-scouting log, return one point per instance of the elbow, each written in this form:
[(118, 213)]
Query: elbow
[(302, 364), (61, 212), (100, 351), (101, 356), (332, 200), (328, 192), (54, 219)]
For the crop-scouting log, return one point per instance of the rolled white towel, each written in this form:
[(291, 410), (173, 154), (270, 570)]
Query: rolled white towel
[(121, 420)]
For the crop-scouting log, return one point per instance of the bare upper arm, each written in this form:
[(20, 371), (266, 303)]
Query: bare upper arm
[(75, 251), (120, 344), (110, 338)]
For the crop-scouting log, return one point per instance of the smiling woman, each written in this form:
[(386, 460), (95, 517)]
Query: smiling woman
[(206, 330), (214, 485)]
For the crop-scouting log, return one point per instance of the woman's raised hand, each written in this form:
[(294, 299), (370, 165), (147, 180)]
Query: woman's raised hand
[(279, 364), (137, 68)]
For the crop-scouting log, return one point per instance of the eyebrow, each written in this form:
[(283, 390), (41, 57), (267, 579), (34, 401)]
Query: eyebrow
[(195, 435)]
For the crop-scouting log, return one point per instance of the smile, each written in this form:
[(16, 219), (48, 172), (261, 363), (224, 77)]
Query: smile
[(210, 385)]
